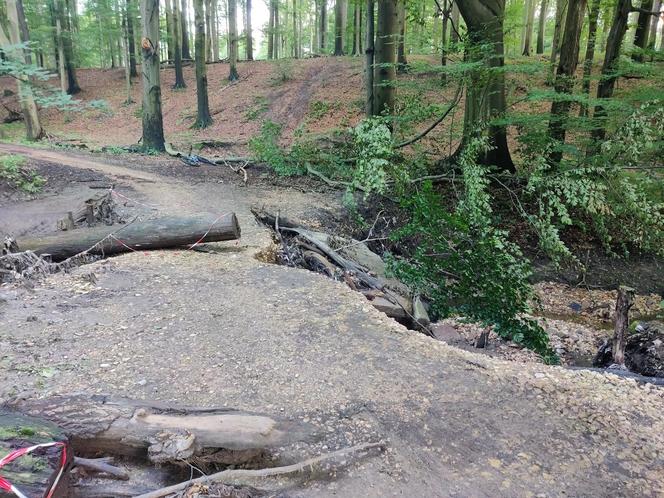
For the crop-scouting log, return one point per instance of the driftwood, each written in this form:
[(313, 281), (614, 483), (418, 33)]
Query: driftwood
[(161, 433), (623, 304), (243, 474), (33, 474), (159, 233)]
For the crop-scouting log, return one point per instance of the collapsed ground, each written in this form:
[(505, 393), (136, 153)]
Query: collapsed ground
[(241, 333)]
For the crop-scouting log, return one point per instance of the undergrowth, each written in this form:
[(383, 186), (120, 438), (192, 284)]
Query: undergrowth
[(14, 173)]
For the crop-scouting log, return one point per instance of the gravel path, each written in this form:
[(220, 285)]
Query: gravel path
[(226, 329)]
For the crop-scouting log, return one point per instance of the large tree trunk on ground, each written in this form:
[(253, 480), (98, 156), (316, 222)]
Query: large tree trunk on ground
[(130, 40), (160, 233), (541, 25), (339, 7), (34, 474), (590, 52), (611, 57), (249, 43), (153, 124), (387, 39), (162, 433), (33, 128), (623, 304), (203, 117), (565, 75), (485, 95), (642, 30), (232, 40), (369, 59)]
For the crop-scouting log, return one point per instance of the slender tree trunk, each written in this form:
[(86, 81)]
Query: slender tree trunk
[(652, 36), (561, 8), (125, 35), (338, 27), (153, 125), (169, 29), (485, 96), (357, 28), (590, 52), (208, 30), (61, 47), (177, 46), (642, 31), (323, 26), (296, 36), (387, 40), (611, 56), (369, 59), (18, 34), (215, 32), (624, 303), (270, 32), (232, 40), (249, 33), (203, 118), (72, 10), (455, 17), (402, 63), (564, 82), (444, 42), (277, 30), (541, 25), (72, 82), (186, 53), (530, 20), (130, 40)]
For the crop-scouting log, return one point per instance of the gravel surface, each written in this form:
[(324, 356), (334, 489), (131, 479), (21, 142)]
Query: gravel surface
[(225, 329)]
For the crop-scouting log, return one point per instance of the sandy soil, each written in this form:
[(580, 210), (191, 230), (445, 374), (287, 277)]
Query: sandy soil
[(227, 329)]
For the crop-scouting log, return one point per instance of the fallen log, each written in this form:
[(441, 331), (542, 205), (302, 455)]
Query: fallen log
[(35, 473), (158, 233), (161, 433)]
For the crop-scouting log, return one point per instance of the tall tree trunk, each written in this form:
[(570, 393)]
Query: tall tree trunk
[(153, 124), (485, 96), (590, 52), (530, 20), (402, 63), (323, 26), (186, 53), (295, 33), (169, 29), (270, 32), (338, 27), (652, 36), (18, 34), (357, 28), (249, 44), (561, 8), (72, 11), (642, 31), (203, 118), (61, 46), (369, 59), (68, 46), (444, 46), (215, 32), (232, 40), (387, 40), (277, 29), (177, 46), (455, 17), (611, 56), (130, 40), (208, 30), (125, 36), (541, 25), (564, 82)]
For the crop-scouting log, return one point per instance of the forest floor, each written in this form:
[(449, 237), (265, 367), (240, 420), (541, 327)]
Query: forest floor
[(238, 332)]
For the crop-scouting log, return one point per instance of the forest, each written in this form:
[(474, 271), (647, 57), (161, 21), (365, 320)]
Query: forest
[(409, 242)]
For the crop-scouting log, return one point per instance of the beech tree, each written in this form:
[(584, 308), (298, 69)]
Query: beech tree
[(385, 55), (642, 30), (232, 41), (203, 118), (249, 39), (339, 7), (131, 44), (153, 124), (528, 28), (541, 23), (593, 16), (177, 46)]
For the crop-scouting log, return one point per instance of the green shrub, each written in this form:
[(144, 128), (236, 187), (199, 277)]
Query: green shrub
[(265, 148), (282, 71), (13, 171)]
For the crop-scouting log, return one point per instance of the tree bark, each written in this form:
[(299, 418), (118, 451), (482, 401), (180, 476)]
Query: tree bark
[(185, 33), (642, 30), (169, 29), (215, 31), (131, 41), (541, 25), (68, 49), (160, 233), (590, 52), (296, 35), (153, 124), (323, 26), (402, 63), (565, 75), (208, 30), (249, 44), (454, 33), (125, 34), (15, 20), (232, 40), (357, 27), (561, 8), (530, 20), (387, 40), (652, 36), (277, 30), (339, 6), (203, 119), (177, 46), (369, 59), (61, 47), (611, 56), (270, 32), (485, 95), (623, 304)]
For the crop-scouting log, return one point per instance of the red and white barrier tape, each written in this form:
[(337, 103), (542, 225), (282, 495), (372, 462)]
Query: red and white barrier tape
[(7, 486)]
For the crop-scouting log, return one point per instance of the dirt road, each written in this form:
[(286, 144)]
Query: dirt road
[(226, 329)]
